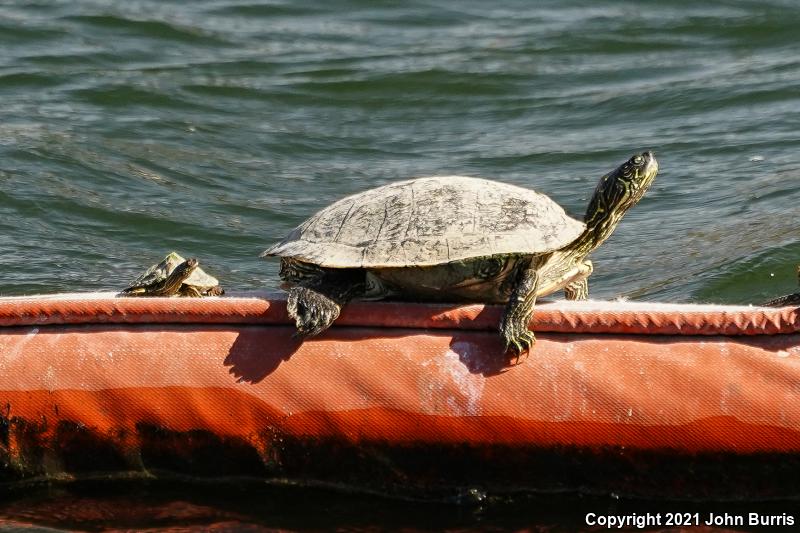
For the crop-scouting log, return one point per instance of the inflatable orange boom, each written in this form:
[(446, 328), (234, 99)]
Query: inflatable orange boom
[(404, 398)]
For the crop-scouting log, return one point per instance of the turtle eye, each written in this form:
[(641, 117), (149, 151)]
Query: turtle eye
[(638, 160)]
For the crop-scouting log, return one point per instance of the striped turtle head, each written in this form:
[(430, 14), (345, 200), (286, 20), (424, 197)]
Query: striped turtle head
[(619, 190), (175, 278)]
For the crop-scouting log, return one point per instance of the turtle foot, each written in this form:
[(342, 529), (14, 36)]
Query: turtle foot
[(215, 291), (514, 324), (517, 340), (187, 291), (312, 311)]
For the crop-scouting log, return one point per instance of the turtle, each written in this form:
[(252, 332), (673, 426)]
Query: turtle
[(787, 300), (174, 276), (452, 238)]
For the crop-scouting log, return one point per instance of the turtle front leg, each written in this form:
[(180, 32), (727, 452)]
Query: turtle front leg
[(188, 291), (519, 310), (314, 306), (579, 290), (312, 311)]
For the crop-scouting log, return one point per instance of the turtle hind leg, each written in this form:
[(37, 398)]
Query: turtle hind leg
[(315, 306), (579, 290), (519, 311)]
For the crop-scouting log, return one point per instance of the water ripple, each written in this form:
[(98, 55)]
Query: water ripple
[(132, 128)]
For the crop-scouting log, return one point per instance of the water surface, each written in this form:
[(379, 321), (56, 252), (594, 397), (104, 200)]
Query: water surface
[(130, 129)]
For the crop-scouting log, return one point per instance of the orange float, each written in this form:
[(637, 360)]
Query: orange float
[(643, 399)]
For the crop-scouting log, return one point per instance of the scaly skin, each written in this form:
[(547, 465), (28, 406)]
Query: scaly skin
[(191, 291), (315, 302), (183, 278), (168, 286), (568, 268), (317, 293), (519, 310)]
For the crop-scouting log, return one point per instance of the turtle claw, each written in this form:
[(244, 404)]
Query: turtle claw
[(519, 343), (516, 335), (215, 291), (313, 312)]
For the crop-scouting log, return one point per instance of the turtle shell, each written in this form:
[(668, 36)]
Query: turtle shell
[(201, 279), (430, 221), (159, 272)]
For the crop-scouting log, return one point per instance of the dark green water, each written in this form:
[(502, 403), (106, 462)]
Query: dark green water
[(129, 129)]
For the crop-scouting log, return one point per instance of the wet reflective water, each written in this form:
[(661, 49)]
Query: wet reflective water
[(130, 129)]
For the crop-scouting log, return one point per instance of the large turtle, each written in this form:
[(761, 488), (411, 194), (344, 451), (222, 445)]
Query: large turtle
[(787, 300), (174, 276), (452, 238)]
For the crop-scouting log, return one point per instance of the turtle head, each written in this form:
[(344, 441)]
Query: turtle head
[(618, 191), (623, 187), (635, 176), (181, 272), (186, 268)]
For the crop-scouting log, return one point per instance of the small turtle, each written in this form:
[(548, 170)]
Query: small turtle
[(174, 276), (452, 238), (787, 300)]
